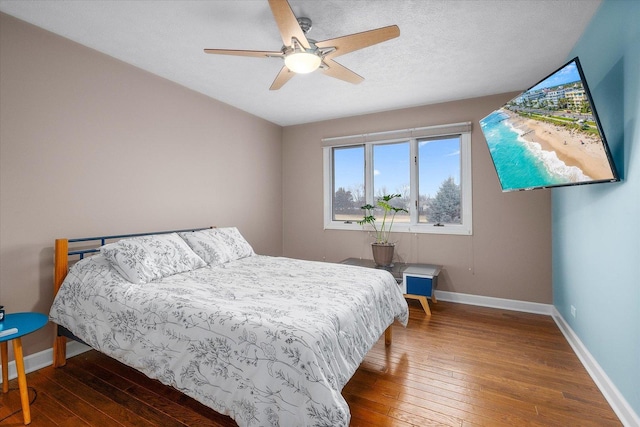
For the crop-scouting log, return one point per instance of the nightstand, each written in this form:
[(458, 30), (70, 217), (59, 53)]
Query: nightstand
[(14, 327), (418, 281)]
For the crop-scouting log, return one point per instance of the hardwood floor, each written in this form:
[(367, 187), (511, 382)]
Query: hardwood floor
[(465, 366)]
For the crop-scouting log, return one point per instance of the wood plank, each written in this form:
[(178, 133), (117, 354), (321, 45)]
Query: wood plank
[(86, 411), (128, 401), (133, 382), (84, 389), (51, 412), (462, 366)]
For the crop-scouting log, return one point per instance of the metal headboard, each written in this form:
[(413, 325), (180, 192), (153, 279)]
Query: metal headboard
[(103, 239)]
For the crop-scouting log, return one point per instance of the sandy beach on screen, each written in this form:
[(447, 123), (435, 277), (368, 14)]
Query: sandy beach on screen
[(574, 148)]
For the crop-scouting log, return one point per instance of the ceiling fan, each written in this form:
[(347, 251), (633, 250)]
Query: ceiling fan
[(303, 55)]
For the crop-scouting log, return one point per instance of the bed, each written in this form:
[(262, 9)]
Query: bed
[(266, 340)]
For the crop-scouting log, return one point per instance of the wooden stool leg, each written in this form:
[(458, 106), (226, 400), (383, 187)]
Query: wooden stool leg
[(4, 356), (22, 380)]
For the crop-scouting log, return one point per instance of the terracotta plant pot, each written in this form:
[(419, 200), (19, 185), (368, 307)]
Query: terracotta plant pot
[(383, 253)]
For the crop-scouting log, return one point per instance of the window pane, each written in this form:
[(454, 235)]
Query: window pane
[(391, 171), (348, 183), (439, 181)]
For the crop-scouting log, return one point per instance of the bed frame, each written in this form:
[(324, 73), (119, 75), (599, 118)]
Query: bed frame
[(88, 246), (82, 246)]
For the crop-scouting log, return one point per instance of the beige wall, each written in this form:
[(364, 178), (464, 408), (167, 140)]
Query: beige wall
[(90, 145), (509, 254)]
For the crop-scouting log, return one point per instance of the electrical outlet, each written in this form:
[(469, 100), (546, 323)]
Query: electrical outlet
[(573, 311)]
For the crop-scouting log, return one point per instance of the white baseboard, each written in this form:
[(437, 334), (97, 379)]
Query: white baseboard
[(618, 403), (507, 304), (42, 359)]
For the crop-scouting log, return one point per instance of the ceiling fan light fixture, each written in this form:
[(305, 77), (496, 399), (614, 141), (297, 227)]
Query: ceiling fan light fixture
[(303, 55), (302, 62)]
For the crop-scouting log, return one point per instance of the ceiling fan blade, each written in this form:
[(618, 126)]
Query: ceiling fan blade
[(283, 76), (333, 69), (346, 44), (254, 53), (287, 23)]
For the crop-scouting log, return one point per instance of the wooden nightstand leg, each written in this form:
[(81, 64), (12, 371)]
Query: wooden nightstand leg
[(388, 336), (425, 304), (433, 298), (22, 380), (4, 356)]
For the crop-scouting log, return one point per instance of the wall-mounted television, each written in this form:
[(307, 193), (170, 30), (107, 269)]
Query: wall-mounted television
[(549, 135)]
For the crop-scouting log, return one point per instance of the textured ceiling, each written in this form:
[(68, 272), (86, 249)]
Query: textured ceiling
[(447, 49)]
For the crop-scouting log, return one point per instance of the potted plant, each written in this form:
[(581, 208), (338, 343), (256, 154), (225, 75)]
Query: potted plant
[(382, 249)]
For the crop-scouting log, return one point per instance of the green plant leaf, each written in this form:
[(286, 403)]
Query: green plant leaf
[(382, 233)]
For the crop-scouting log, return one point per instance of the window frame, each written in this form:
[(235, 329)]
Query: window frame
[(413, 136)]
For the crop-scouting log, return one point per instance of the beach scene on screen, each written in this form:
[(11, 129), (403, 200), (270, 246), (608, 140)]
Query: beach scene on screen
[(547, 136)]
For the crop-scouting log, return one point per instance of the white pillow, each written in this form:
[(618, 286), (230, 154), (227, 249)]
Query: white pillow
[(146, 258), (218, 245)]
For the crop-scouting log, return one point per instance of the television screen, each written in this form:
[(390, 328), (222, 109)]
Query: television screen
[(549, 135)]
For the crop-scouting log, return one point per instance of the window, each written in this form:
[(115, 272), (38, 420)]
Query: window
[(439, 190), (348, 183), (391, 166), (430, 168)]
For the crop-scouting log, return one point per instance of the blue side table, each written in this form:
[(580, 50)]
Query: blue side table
[(24, 324)]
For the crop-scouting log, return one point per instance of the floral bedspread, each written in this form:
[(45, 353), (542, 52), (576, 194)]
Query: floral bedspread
[(269, 341)]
